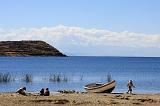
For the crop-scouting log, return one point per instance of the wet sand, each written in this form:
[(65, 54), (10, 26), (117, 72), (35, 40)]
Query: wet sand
[(80, 99)]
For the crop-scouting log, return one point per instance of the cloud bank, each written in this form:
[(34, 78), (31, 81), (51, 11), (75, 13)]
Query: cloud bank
[(82, 36)]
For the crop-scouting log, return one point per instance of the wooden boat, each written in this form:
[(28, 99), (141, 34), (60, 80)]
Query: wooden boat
[(101, 88)]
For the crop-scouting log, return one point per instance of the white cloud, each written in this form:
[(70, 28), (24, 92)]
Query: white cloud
[(81, 36)]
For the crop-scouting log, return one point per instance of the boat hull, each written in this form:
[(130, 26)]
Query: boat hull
[(108, 90), (103, 88)]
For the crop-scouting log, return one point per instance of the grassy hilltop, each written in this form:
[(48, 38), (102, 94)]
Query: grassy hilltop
[(28, 48)]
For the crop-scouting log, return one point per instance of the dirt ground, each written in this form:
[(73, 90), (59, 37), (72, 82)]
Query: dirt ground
[(80, 99)]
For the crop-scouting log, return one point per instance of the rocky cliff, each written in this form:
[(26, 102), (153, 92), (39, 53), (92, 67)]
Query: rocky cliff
[(28, 48)]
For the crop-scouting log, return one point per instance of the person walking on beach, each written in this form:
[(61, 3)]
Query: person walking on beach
[(130, 85), (21, 91), (47, 92)]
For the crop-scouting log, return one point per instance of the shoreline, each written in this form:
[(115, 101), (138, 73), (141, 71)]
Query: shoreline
[(80, 99), (74, 91), (83, 92)]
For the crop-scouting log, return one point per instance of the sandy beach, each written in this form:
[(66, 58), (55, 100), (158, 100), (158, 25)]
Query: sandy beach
[(80, 99)]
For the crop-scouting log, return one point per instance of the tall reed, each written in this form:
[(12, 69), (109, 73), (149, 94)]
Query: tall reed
[(109, 77), (58, 78), (28, 78), (6, 77)]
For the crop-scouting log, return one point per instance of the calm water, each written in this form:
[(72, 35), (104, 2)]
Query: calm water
[(145, 72)]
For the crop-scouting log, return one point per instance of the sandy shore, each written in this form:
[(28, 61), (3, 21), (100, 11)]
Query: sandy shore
[(80, 99)]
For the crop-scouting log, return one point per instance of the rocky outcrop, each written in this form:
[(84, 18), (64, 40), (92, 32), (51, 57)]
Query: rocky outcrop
[(28, 48)]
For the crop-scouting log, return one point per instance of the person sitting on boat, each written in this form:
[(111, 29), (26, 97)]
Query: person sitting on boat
[(21, 91), (130, 85), (42, 92), (47, 92)]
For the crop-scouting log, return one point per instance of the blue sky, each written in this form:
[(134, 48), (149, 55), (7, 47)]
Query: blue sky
[(121, 27)]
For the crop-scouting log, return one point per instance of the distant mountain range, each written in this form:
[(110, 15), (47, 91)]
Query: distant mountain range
[(28, 48)]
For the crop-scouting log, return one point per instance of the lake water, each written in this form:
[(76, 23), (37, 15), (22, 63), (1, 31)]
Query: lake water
[(79, 71)]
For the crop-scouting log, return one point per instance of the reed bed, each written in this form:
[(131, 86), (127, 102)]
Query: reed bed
[(55, 78), (28, 78), (6, 77), (58, 78)]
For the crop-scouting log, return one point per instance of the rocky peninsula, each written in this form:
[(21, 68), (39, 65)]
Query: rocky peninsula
[(28, 48)]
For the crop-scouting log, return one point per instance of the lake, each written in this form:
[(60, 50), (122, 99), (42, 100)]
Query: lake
[(76, 71)]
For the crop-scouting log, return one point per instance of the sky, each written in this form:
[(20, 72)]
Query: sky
[(85, 27)]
